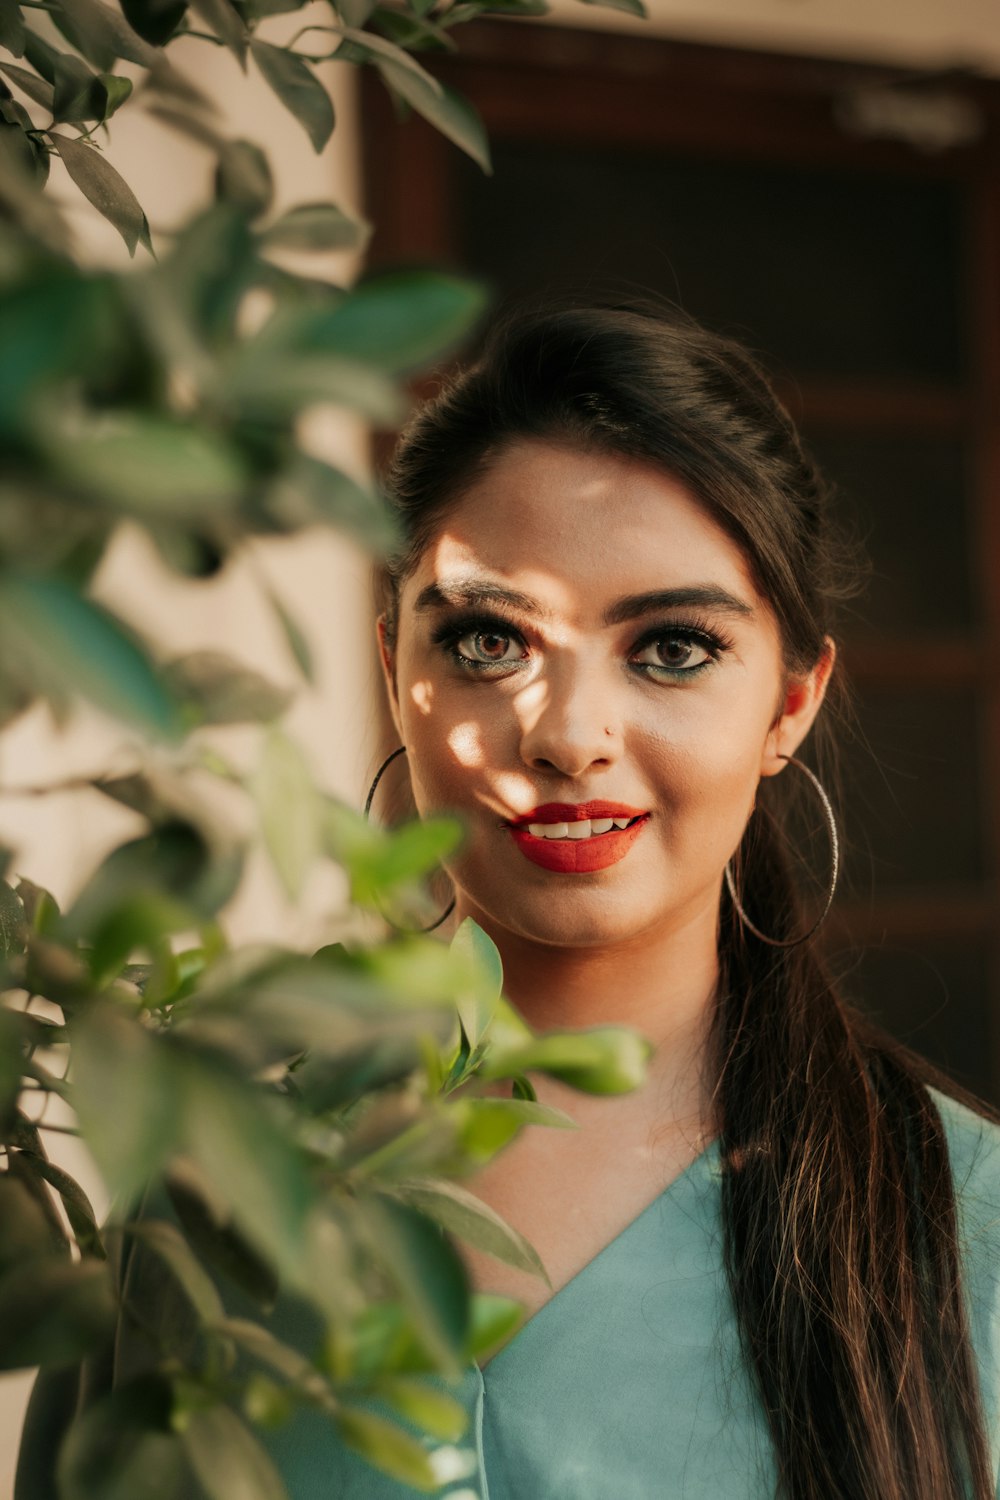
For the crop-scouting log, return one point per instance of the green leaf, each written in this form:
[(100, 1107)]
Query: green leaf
[(494, 1320), (388, 1447), (446, 110), (256, 10), (25, 1231), (207, 274), (11, 1069), (11, 28), (117, 91), (168, 881), (215, 689), (154, 20), (40, 54), (283, 1360), (427, 1272), (476, 1008), (410, 31), (13, 922), (105, 189), (125, 1095), (308, 491), (298, 88), (216, 1240), (250, 1163), (29, 83), (40, 907), (630, 7), (355, 12), (54, 1312), (275, 386), (380, 49), (295, 637), (149, 466), (229, 1462), (77, 93), (23, 158), (123, 1447), (166, 1241), (226, 22), (289, 808), (426, 1407), (486, 1129), (416, 849), (316, 226), (44, 325), (103, 35), (467, 1217), (601, 1060), (399, 321), (72, 644), (243, 177)]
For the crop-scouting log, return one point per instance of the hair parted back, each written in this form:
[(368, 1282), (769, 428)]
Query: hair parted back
[(838, 1204)]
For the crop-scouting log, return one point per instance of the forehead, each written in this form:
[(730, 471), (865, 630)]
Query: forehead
[(575, 530)]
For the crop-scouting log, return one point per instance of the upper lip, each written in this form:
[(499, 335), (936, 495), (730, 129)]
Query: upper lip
[(576, 812)]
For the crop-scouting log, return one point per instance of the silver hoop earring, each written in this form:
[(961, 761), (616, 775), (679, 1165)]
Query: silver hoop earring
[(368, 807), (835, 852)]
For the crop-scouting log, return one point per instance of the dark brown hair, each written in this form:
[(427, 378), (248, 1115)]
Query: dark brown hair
[(838, 1204)]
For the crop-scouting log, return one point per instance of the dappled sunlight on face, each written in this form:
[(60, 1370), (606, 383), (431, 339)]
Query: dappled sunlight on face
[(422, 696), (465, 745), (581, 631)]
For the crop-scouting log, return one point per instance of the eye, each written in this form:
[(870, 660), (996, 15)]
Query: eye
[(489, 646), (676, 651)]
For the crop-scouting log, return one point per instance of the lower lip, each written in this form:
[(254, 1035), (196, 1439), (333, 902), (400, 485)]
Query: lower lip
[(578, 856)]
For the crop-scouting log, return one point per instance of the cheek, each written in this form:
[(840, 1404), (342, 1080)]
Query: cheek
[(461, 745), (706, 766)]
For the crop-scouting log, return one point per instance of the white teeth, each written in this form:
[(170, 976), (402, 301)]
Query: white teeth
[(586, 828)]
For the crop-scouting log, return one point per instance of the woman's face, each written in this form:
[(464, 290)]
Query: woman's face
[(582, 647)]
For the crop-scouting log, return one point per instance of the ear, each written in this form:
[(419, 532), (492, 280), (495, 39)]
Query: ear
[(388, 671), (802, 702)]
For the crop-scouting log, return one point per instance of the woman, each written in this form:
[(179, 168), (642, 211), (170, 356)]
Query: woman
[(605, 643)]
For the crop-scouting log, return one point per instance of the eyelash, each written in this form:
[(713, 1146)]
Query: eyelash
[(698, 631)]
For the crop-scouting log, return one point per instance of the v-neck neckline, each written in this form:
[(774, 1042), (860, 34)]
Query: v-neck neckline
[(709, 1152)]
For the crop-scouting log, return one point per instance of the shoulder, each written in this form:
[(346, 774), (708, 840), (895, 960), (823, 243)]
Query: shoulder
[(974, 1152)]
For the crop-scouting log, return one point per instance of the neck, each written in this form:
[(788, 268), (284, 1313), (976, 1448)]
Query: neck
[(662, 984)]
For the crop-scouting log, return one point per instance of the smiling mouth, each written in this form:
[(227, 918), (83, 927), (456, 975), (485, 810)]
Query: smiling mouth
[(584, 828), (578, 840)]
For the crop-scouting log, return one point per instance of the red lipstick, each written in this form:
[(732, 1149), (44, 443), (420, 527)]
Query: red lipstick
[(578, 856)]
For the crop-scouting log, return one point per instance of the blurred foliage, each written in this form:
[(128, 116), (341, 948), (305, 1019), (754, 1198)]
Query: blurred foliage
[(269, 1125)]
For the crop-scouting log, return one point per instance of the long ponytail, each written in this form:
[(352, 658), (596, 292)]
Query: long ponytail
[(840, 1227)]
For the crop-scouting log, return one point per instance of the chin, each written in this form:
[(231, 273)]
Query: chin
[(561, 917)]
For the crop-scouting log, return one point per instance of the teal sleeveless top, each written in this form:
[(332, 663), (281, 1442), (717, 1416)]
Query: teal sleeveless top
[(629, 1383)]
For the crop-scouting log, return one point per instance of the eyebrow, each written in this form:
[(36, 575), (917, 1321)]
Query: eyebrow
[(476, 592), (696, 596)]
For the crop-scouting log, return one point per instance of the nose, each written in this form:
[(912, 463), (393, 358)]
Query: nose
[(571, 726)]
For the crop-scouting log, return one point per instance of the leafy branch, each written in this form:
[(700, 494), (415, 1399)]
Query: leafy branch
[(277, 1132)]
